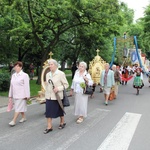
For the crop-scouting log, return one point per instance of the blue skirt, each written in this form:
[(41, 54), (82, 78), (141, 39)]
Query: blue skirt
[(53, 110)]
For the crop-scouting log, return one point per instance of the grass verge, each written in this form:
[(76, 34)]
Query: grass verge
[(34, 88)]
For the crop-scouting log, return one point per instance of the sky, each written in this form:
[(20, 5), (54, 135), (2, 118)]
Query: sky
[(138, 7)]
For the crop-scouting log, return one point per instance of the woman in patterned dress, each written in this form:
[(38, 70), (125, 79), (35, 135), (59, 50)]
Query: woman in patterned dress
[(138, 80)]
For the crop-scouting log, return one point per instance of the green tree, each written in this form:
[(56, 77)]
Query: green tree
[(70, 29), (145, 33)]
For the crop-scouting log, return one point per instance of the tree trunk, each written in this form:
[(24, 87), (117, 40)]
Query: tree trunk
[(44, 58), (63, 65), (39, 75)]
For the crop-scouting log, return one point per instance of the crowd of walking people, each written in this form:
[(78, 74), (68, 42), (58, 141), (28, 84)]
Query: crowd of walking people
[(110, 79)]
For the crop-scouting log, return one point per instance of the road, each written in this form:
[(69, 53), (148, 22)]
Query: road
[(122, 125)]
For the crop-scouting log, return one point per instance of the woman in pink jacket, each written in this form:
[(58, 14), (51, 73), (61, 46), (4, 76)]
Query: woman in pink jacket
[(19, 92)]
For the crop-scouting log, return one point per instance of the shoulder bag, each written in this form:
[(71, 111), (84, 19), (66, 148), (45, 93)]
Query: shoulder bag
[(111, 95), (65, 100), (10, 105), (88, 89)]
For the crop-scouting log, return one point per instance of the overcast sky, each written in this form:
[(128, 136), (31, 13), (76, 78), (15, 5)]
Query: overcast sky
[(138, 6)]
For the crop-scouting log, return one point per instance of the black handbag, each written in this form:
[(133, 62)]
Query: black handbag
[(65, 100), (88, 90)]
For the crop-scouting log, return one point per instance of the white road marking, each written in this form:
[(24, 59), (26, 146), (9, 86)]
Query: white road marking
[(121, 135), (95, 116)]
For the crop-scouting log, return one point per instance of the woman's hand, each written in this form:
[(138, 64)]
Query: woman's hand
[(113, 87), (85, 78), (10, 99), (71, 92), (55, 90)]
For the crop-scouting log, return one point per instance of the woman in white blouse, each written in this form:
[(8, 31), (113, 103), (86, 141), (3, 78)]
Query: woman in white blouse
[(81, 100)]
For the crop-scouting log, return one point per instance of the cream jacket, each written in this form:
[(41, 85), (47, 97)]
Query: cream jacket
[(59, 79)]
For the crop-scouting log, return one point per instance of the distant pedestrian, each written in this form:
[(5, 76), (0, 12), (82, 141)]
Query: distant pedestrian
[(11, 66), (138, 80), (93, 88), (125, 74), (107, 82), (11, 69), (31, 69), (117, 80), (19, 92), (74, 68)]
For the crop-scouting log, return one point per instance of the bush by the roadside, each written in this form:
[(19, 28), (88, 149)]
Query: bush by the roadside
[(4, 81)]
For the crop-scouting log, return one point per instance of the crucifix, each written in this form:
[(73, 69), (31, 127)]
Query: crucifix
[(51, 54)]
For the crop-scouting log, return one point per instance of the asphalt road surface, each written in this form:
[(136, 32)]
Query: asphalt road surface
[(122, 125)]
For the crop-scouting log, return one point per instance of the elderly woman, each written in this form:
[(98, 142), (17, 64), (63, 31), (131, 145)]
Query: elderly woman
[(81, 100), (53, 110), (19, 91), (107, 81), (117, 80)]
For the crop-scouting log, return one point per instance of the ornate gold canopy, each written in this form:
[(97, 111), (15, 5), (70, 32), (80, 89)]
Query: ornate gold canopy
[(95, 67)]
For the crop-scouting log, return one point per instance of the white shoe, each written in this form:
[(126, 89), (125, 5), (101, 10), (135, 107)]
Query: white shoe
[(12, 123), (106, 103), (22, 120)]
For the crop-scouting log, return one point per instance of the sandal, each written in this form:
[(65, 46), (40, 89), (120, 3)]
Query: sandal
[(61, 126), (48, 130), (80, 120)]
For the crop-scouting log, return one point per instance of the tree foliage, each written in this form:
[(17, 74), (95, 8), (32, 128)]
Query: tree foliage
[(71, 29)]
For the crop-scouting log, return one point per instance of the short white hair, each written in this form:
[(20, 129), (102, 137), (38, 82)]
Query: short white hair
[(83, 63), (114, 66), (107, 64), (53, 61)]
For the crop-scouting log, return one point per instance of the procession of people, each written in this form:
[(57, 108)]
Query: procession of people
[(111, 78)]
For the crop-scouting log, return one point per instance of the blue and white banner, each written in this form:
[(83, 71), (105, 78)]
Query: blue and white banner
[(134, 57)]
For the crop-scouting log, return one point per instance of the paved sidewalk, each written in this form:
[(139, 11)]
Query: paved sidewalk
[(3, 101)]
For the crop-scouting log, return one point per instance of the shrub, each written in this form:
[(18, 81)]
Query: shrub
[(4, 81)]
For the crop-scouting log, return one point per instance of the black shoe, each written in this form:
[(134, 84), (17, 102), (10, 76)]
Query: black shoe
[(48, 130), (137, 92), (61, 126)]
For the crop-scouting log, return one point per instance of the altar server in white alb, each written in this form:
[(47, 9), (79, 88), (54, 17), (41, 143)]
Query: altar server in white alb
[(19, 92)]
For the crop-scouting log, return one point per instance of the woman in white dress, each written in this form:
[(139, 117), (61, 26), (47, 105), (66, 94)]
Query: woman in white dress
[(81, 100), (19, 92)]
